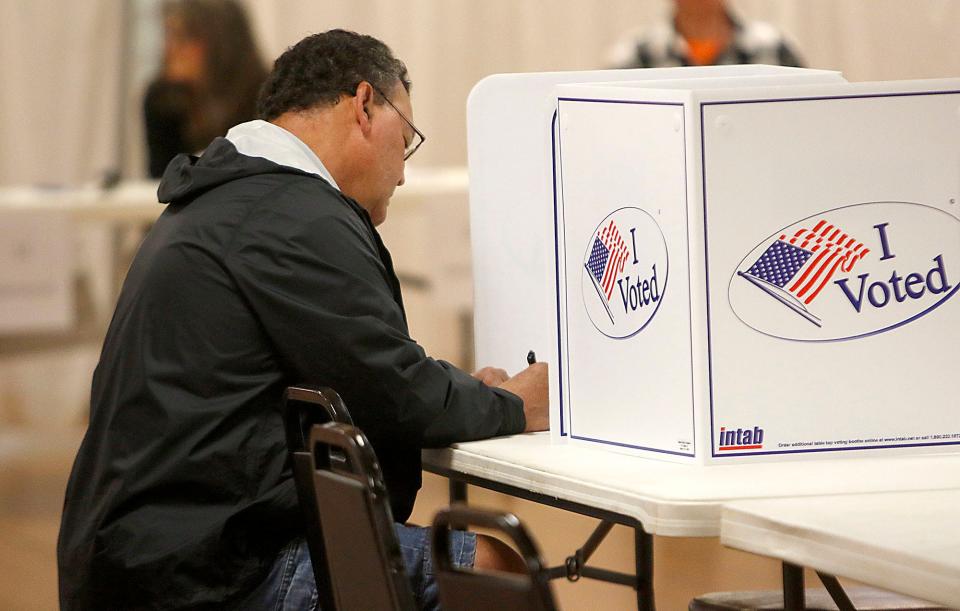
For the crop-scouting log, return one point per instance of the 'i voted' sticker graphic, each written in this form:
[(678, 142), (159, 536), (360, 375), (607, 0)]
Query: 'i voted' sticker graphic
[(850, 272), (625, 271)]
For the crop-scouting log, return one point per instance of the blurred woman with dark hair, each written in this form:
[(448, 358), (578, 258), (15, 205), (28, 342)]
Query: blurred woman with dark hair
[(208, 82)]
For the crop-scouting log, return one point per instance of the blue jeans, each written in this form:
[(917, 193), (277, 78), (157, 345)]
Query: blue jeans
[(290, 586)]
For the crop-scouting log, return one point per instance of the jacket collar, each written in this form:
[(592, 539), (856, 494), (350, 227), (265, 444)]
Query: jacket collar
[(264, 139)]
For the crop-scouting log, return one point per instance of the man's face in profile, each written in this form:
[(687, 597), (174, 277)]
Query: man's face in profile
[(390, 136)]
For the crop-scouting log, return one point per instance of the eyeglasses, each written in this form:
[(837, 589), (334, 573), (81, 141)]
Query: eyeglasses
[(418, 137)]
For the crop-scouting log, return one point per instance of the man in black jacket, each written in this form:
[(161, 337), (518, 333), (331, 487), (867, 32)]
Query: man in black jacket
[(266, 270)]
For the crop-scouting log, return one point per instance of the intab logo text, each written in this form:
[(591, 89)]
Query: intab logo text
[(741, 439)]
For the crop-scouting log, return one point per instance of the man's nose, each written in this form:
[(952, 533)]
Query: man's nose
[(403, 178)]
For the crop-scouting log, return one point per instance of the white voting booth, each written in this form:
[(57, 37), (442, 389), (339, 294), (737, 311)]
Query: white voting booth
[(723, 264)]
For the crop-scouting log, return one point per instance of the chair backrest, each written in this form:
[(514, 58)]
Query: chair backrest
[(463, 589), (302, 408), (363, 554)]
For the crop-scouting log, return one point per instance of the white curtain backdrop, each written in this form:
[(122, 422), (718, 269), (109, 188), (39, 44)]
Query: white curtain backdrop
[(61, 61), (451, 44), (59, 90)]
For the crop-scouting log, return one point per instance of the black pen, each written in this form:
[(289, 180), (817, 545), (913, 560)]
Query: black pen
[(531, 358)]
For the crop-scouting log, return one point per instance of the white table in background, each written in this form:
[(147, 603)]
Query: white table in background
[(908, 542), (428, 232)]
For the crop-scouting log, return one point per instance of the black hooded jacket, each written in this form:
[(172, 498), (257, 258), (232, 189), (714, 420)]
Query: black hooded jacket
[(256, 276)]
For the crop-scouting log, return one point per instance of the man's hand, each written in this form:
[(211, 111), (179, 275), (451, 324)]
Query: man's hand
[(491, 376), (531, 386)]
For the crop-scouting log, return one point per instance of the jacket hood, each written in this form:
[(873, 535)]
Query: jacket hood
[(188, 175)]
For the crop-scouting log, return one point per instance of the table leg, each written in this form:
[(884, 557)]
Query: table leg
[(643, 549), (793, 593), (836, 591), (458, 491), (574, 568)]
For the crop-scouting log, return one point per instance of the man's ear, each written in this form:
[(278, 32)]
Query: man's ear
[(363, 105)]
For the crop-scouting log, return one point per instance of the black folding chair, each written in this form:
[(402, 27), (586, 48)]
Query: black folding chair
[(304, 407), (463, 589), (365, 564)]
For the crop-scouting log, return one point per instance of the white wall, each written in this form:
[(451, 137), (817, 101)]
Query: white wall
[(59, 89), (451, 44), (869, 39), (60, 60)]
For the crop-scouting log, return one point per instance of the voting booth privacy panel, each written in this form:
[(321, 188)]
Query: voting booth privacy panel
[(748, 262)]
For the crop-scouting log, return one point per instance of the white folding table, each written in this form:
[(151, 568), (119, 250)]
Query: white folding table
[(907, 542), (661, 498)]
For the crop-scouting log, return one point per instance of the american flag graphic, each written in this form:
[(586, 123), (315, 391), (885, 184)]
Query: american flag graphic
[(803, 264), (607, 257)]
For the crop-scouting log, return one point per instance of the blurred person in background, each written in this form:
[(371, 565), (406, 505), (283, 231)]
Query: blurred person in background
[(208, 81), (703, 33)]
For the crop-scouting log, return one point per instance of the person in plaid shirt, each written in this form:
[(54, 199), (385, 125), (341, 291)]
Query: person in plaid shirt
[(702, 33)]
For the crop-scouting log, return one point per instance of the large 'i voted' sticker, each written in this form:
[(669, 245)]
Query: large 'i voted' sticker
[(850, 272)]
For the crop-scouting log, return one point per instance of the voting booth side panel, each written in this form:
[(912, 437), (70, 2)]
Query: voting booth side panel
[(699, 320), (623, 289), (833, 258), (512, 218)]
